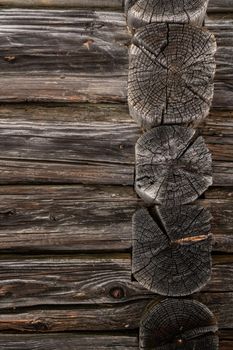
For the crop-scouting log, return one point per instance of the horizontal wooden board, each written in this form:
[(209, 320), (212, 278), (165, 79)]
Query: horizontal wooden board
[(42, 281), (220, 6), (82, 55), (72, 341), (114, 4), (84, 218), (90, 144), (214, 5), (122, 316)]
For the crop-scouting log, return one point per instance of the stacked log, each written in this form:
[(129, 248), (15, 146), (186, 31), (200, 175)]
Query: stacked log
[(170, 91)]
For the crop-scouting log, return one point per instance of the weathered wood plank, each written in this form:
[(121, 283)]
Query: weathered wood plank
[(81, 341), (39, 281), (114, 4), (84, 218), (69, 341), (45, 144), (214, 5), (44, 53), (122, 316), (220, 6)]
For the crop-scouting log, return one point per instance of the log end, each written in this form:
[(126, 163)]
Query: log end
[(178, 324), (172, 249)]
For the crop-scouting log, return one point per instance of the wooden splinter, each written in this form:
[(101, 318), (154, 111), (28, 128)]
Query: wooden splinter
[(142, 12), (178, 324), (171, 73), (173, 166), (172, 249)]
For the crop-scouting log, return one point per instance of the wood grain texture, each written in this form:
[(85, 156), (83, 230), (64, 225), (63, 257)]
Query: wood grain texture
[(140, 13), (85, 218), (87, 281), (83, 341), (171, 74), (69, 341), (173, 166), (48, 69), (214, 5), (99, 317), (178, 323), (171, 252), (220, 6), (114, 4), (45, 144)]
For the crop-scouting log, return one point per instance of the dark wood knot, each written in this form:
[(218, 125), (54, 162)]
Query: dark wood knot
[(117, 292)]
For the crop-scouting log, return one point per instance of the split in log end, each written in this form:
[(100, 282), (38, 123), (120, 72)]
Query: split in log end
[(172, 249), (171, 74), (173, 166)]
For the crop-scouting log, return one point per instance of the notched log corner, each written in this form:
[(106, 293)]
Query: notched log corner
[(171, 74), (173, 166), (178, 324), (141, 12), (172, 249)]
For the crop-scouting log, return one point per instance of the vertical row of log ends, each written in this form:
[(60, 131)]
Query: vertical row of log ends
[(170, 91)]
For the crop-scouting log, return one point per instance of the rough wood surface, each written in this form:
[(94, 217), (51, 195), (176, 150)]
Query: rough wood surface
[(60, 298), (173, 166), (140, 13), (45, 144), (171, 73), (75, 281), (172, 249), (72, 341), (86, 218), (114, 4), (214, 5), (100, 317), (33, 58), (178, 323)]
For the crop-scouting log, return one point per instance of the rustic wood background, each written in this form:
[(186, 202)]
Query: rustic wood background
[(66, 174)]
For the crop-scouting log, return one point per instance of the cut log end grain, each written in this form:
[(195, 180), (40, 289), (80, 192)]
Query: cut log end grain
[(141, 12), (171, 74), (172, 249), (178, 324), (173, 166)]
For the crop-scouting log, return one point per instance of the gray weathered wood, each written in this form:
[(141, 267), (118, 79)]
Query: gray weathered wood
[(38, 62), (114, 4), (171, 74), (86, 218), (173, 166), (220, 6), (178, 323), (32, 135), (140, 13), (172, 249), (214, 5)]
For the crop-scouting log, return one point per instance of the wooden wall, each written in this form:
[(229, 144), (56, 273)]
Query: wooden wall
[(66, 175)]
